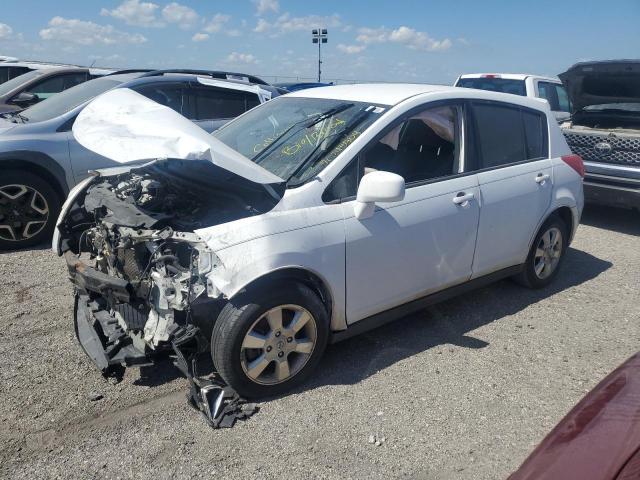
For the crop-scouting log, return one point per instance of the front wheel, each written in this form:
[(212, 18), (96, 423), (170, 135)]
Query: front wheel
[(546, 254), (29, 208), (269, 340)]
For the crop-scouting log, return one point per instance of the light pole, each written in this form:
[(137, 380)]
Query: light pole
[(319, 36)]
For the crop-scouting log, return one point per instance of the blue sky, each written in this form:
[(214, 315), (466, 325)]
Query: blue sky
[(403, 40)]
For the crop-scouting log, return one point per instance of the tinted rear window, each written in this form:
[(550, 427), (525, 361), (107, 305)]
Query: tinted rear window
[(514, 87), (509, 134), (218, 103)]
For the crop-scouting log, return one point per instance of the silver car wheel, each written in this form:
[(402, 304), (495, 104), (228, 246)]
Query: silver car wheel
[(278, 345), (23, 212), (548, 253)]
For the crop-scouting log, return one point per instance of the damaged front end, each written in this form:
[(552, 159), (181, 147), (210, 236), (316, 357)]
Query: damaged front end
[(140, 271)]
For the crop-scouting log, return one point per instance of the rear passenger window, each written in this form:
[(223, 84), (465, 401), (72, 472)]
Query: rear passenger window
[(169, 95), (500, 133), (218, 103), (509, 134)]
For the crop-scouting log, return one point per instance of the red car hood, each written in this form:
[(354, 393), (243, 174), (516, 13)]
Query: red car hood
[(597, 438)]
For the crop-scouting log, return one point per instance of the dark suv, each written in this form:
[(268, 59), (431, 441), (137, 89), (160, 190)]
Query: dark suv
[(604, 129), (41, 160)]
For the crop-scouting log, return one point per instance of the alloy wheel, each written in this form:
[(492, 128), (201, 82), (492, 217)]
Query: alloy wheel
[(23, 212), (278, 345), (548, 252)]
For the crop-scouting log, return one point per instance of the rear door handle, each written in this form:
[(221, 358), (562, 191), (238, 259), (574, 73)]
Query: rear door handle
[(542, 177), (462, 198)]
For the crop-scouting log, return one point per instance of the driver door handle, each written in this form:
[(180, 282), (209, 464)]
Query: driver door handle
[(462, 198), (542, 177)]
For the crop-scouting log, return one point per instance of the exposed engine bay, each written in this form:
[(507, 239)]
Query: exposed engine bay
[(139, 270)]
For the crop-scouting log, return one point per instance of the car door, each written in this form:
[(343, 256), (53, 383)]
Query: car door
[(425, 242), (514, 173), (169, 94)]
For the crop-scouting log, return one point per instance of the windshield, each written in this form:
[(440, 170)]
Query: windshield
[(502, 85), (69, 99), (14, 83), (295, 138)]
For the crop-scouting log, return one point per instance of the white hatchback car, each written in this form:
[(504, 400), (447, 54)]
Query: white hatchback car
[(316, 216)]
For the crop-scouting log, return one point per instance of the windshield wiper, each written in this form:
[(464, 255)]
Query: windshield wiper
[(13, 116), (309, 160), (306, 123)]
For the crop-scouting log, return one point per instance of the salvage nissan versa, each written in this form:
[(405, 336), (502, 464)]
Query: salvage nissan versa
[(306, 220)]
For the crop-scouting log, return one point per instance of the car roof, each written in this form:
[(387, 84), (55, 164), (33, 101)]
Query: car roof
[(510, 76), (36, 65), (186, 77), (395, 93), (381, 93)]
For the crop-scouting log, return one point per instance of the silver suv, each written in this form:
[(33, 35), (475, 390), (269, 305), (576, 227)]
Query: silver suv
[(41, 160)]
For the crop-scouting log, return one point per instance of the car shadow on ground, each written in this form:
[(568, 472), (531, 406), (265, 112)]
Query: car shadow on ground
[(448, 323), (616, 219), (42, 246)]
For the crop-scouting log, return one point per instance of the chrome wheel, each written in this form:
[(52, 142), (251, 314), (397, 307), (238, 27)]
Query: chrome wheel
[(278, 345), (548, 252), (23, 212)]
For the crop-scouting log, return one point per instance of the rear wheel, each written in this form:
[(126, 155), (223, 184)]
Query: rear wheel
[(29, 208), (546, 254), (269, 340)]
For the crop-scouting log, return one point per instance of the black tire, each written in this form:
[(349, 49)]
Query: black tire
[(528, 277), (16, 219), (239, 315)]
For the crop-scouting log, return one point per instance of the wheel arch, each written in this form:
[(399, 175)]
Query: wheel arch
[(297, 274), (38, 164), (565, 213)]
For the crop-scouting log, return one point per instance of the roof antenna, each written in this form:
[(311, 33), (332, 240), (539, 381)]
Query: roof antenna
[(92, 63)]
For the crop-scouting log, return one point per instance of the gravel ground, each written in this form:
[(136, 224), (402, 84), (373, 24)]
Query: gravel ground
[(464, 390)]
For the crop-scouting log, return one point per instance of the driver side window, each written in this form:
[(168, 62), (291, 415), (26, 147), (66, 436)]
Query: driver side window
[(422, 147)]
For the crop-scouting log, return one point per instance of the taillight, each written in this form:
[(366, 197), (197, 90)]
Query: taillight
[(575, 162), (490, 75)]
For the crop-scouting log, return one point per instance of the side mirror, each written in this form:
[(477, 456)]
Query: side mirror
[(25, 98), (377, 187)]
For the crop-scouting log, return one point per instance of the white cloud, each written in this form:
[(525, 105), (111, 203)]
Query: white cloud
[(264, 6), (5, 30), (403, 35), (217, 23), (351, 49), (287, 24), (81, 32), (372, 35), (182, 15), (200, 37), (135, 12), (235, 57), (262, 26)]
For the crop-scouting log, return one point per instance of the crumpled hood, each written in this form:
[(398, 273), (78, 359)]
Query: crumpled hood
[(598, 83), (125, 126)]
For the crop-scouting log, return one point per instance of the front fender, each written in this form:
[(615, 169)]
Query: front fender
[(318, 249)]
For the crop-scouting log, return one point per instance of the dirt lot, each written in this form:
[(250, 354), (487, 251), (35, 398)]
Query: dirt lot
[(463, 390)]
